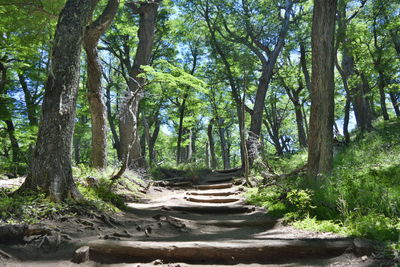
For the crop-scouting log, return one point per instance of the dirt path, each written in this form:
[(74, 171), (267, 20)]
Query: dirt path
[(203, 224)]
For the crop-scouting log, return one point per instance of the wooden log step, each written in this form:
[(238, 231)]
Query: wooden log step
[(239, 223), (235, 170), (214, 186), (234, 251), (211, 180), (220, 193), (214, 209), (212, 200)]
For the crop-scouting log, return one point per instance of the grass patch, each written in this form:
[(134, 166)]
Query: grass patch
[(100, 195)]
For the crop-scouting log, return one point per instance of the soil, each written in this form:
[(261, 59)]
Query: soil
[(183, 225)]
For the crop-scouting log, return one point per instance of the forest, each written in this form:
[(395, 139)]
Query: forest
[(111, 109)]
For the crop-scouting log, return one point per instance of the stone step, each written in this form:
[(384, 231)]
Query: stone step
[(221, 251)]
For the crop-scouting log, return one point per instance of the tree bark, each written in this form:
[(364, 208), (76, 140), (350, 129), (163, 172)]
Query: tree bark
[(152, 142), (213, 160), (50, 169), (303, 62), (263, 83), (224, 148), (182, 108), (382, 94), (29, 101), (95, 92), (129, 138), (5, 115), (320, 142), (395, 103), (112, 123)]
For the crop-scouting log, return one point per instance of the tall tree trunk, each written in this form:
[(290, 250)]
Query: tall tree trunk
[(362, 109), (77, 149), (303, 62), (14, 142), (190, 146), (6, 117), (263, 83), (300, 125), (346, 119), (395, 103), (29, 101), (213, 160), (224, 147), (153, 139), (182, 108), (208, 156), (129, 138), (320, 141), (50, 169), (112, 123), (95, 92), (382, 98), (396, 41), (193, 145)]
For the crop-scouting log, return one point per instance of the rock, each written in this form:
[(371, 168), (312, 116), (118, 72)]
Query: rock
[(81, 255), (157, 262), (92, 181), (364, 258), (11, 233), (363, 247)]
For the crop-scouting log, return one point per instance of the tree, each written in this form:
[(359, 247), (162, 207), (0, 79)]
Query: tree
[(5, 115), (320, 142), (50, 169), (128, 123), (97, 107)]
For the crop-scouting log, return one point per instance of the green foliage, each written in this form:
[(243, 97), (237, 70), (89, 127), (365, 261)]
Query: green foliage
[(360, 198), (313, 224), (193, 171), (30, 208), (105, 193), (365, 177), (288, 162), (291, 204)]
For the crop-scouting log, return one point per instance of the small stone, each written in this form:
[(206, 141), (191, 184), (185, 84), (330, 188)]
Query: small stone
[(157, 262), (364, 258), (81, 255)]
